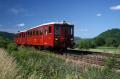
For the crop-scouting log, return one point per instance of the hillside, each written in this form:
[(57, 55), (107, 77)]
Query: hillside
[(6, 38), (109, 38), (113, 33), (7, 35)]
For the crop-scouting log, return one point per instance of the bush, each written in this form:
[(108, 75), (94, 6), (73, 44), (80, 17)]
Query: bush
[(111, 42), (11, 47), (99, 41)]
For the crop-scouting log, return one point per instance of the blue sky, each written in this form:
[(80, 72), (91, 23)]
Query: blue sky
[(90, 17)]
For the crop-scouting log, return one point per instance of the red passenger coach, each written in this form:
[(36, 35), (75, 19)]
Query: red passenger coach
[(55, 34)]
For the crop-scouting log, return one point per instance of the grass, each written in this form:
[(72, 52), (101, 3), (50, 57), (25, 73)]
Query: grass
[(43, 65), (33, 64), (95, 73), (8, 67), (107, 50)]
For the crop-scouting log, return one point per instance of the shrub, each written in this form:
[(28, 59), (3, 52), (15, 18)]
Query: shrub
[(11, 47), (110, 63)]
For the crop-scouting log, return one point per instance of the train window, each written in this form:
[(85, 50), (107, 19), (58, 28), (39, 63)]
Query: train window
[(41, 31), (30, 33), (21, 35), (33, 32), (67, 30), (26, 34), (18, 35), (45, 31), (50, 29), (36, 32), (71, 30)]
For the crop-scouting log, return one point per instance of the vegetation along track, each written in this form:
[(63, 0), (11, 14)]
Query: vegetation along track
[(95, 58)]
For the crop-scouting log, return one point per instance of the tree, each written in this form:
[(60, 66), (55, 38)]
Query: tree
[(86, 44), (99, 41)]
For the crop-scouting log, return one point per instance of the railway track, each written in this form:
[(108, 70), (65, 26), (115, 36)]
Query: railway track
[(95, 58)]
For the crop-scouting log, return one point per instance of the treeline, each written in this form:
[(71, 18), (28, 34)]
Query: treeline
[(109, 38)]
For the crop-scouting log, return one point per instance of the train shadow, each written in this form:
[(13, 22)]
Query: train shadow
[(78, 52)]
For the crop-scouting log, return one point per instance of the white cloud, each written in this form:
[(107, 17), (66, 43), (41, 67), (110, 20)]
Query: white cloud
[(98, 14), (117, 7), (20, 25), (17, 10)]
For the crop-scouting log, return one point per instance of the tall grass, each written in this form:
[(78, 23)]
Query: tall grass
[(34, 64), (8, 68)]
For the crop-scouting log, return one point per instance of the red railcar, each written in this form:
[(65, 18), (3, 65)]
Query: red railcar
[(54, 34)]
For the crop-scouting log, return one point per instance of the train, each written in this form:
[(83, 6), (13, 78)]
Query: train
[(56, 35)]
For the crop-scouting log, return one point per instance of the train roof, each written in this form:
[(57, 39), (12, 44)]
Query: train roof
[(64, 22)]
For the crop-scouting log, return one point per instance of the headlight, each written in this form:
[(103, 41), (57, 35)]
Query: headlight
[(56, 38), (71, 39)]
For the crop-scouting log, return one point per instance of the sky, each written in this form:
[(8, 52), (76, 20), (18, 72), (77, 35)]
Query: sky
[(90, 17)]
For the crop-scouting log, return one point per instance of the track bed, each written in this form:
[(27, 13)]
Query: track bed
[(96, 58)]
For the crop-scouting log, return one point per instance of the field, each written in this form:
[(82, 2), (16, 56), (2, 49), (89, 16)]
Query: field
[(106, 50), (29, 63)]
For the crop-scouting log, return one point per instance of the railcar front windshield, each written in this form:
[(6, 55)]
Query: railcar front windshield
[(68, 30)]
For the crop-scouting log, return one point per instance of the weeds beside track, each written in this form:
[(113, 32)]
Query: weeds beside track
[(35, 64)]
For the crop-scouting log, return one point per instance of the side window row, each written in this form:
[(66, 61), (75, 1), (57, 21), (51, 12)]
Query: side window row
[(34, 32)]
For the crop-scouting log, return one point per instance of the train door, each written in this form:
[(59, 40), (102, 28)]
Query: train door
[(45, 36), (48, 35), (41, 35)]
